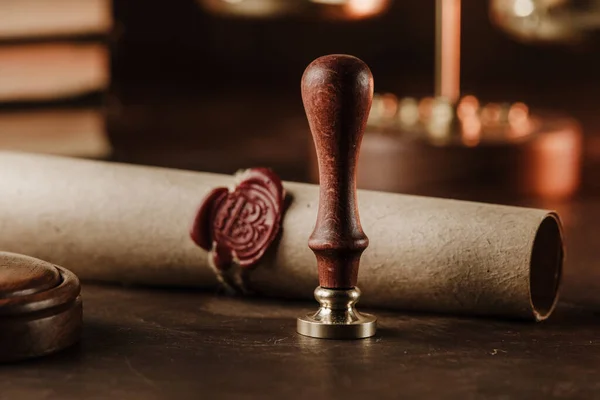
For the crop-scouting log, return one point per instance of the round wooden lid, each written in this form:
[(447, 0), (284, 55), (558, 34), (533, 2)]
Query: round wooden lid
[(40, 307), (20, 275)]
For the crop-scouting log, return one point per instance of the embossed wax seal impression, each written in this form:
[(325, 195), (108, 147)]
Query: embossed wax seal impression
[(237, 225)]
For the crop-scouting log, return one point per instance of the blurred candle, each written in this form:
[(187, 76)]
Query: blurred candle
[(448, 49)]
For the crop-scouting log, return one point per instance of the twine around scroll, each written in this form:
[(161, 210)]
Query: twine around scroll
[(237, 225)]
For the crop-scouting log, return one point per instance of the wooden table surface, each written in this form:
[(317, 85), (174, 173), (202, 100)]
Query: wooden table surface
[(158, 344)]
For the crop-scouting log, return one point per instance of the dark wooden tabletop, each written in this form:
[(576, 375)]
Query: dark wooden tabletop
[(158, 344)]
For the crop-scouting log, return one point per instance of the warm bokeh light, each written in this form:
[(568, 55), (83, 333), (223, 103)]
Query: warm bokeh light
[(491, 114), (523, 8), (518, 113), (250, 8), (364, 8), (440, 124), (553, 162), (467, 107), (442, 111), (390, 105), (518, 120), (437, 118), (471, 130), (408, 113), (383, 109), (425, 106)]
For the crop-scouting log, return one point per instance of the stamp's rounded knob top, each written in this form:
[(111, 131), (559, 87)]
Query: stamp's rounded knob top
[(337, 91), (40, 307)]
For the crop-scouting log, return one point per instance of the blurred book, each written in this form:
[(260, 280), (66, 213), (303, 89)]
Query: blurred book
[(54, 75), (39, 72), (74, 133), (21, 19)]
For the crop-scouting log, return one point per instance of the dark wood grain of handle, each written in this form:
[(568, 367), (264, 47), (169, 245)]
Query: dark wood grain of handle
[(337, 91)]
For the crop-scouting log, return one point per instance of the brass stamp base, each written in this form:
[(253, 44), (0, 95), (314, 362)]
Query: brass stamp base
[(337, 318)]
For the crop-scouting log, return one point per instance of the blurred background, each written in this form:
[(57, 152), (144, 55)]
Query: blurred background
[(213, 85)]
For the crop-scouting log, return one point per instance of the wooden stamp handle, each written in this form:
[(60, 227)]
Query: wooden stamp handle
[(337, 91)]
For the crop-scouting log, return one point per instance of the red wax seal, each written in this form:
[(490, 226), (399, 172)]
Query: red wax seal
[(240, 224)]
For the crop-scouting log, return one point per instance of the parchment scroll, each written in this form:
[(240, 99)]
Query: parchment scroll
[(121, 223)]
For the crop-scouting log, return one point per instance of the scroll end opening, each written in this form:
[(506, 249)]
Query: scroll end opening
[(546, 266)]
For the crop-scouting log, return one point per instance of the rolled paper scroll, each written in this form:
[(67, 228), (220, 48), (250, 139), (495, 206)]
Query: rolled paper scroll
[(130, 224)]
